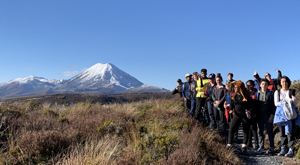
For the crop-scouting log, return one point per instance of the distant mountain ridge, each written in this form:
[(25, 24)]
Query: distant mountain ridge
[(98, 79)]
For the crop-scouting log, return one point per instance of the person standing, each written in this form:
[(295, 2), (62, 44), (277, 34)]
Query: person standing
[(253, 121), (209, 101), (186, 91), (286, 95), (201, 97), (218, 97), (239, 102), (230, 77), (263, 105), (193, 93), (178, 89), (272, 82)]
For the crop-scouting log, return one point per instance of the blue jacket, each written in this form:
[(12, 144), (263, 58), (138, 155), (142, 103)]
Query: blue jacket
[(186, 90), (281, 120)]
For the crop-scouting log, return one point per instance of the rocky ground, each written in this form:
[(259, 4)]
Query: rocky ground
[(261, 159)]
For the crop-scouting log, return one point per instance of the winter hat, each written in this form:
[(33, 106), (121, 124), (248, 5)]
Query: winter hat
[(242, 87)]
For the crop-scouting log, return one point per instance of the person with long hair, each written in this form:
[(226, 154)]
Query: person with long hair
[(239, 102), (285, 94), (218, 97)]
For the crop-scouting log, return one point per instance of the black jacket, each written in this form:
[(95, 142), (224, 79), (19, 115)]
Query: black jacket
[(276, 81), (178, 90), (271, 106)]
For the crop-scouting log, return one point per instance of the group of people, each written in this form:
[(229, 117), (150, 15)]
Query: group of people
[(257, 105)]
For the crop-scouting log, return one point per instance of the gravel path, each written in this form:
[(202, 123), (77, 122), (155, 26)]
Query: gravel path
[(260, 159)]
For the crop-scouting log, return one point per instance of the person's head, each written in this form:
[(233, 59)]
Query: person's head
[(285, 82), (230, 76), (203, 73), (188, 77), (264, 83), (219, 79), (268, 76), (239, 87), (229, 86), (212, 78), (250, 85), (195, 76), (179, 82)]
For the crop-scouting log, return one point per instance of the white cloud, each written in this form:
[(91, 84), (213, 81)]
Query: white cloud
[(30, 69), (69, 73)]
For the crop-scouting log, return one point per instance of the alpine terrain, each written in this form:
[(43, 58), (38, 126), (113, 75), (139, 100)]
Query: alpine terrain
[(98, 79)]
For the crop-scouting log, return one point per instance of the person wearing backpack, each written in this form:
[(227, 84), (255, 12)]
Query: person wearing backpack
[(286, 95), (186, 91), (264, 108)]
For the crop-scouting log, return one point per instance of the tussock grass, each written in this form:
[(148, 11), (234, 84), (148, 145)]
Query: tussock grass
[(155, 131)]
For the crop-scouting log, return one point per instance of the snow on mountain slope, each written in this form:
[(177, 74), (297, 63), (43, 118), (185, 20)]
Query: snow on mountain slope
[(34, 78), (102, 76)]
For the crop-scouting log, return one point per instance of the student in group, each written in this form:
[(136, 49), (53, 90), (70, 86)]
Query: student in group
[(229, 114), (209, 102), (263, 105), (272, 82), (186, 91), (239, 102), (230, 76), (253, 122), (178, 89), (193, 93), (285, 93), (218, 96), (201, 97)]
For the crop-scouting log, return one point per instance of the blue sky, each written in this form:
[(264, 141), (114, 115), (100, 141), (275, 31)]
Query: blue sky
[(155, 41)]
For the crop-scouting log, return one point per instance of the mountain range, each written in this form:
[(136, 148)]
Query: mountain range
[(98, 79)]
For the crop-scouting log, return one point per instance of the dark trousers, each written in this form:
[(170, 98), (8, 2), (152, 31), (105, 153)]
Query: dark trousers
[(199, 114), (263, 121), (236, 134), (290, 138), (220, 119), (253, 133), (187, 104), (211, 116), (235, 123)]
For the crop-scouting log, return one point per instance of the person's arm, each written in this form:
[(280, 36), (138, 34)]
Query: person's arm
[(294, 97), (257, 77), (213, 94), (273, 107), (276, 99), (183, 90), (231, 107), (278, 79), (224, 95)]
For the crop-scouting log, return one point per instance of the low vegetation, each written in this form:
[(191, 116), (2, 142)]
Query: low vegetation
[(155, 131)]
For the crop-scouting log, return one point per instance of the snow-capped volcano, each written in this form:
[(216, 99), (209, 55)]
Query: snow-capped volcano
[(102, 76), (98, 79)]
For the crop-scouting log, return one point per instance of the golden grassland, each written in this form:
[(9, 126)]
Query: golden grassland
[(155, 131)]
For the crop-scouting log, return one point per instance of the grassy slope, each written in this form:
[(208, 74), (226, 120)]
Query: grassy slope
[(154, 131)]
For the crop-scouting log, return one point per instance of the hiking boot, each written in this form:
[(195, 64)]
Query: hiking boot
[(270, 151), (283, 151), (259, 150), (244, 151), (290, 153)]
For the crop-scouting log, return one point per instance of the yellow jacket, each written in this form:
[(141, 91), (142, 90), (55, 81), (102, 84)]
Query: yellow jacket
[(200, 89)]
